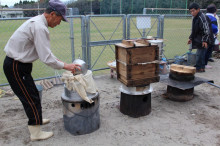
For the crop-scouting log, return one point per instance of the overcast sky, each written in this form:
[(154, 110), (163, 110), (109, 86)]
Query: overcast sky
[(12, 2)]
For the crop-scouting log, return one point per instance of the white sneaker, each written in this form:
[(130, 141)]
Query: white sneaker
[(208, 67)]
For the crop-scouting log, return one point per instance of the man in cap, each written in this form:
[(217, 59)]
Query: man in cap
[(30, 42)]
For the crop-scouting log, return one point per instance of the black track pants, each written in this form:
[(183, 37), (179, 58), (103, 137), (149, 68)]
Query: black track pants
[(19, 77)]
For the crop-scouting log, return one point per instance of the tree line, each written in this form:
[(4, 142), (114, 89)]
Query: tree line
[(115, 6)]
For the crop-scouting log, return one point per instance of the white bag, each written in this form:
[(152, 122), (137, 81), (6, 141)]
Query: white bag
[(80, 83), (216, 41), (90, 84)]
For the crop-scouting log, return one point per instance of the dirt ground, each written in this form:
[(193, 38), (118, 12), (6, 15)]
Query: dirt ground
[(196, 122)]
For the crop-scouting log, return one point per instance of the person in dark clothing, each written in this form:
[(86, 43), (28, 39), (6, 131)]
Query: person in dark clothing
[(200, 35), (211, 9)]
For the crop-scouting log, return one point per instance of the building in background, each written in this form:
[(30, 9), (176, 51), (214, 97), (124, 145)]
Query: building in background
[(11, 12)]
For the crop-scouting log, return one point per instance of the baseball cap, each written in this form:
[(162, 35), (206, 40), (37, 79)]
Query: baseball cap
[(60, 7)]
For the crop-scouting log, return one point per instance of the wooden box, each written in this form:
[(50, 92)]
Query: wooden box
[(137, 63)]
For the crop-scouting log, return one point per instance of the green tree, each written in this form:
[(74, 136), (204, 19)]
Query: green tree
[(85, 6), (204, 3)]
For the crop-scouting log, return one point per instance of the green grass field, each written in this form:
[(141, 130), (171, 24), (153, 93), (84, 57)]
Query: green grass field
[(176, 32)]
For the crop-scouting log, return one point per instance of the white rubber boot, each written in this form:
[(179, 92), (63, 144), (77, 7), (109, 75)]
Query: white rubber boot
[(46, 121), (37, 134)]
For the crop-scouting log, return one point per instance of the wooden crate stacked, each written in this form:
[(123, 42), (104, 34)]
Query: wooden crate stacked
[(137, 63)]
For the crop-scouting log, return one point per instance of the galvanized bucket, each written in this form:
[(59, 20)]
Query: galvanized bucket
[(191, 58)]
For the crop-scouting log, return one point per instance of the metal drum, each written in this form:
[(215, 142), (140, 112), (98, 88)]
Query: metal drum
[(135, 101), (80, 117)]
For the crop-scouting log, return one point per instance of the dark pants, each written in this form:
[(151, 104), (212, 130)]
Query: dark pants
[(19, 77), (208, 53), (200, 58)]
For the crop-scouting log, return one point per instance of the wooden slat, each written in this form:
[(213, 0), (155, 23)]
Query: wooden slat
[(121, 54), (122, 70), (140, 82), (142, 71), (134, 72), (142, 55)]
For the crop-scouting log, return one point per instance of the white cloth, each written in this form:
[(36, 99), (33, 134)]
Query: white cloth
[(80, 83), (31, 41), (90, 84)]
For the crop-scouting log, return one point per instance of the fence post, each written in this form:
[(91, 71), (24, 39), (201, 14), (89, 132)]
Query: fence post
[(88, 42), (162, 26), (124, 27), (83, 37), (158, 26), (72, 36), (128, 26), (144, 11)]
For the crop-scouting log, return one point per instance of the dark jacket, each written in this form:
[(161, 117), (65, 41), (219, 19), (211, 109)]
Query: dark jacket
[(201, 31)]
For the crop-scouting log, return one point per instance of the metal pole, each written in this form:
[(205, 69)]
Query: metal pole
[(156, 5), (83, 37), (88, 41), (170, 5), (131, 6), (111, 6), (124, 27), (72, 35), (186, 7), (120, 6), (100, 7), (91, 7), (128, 26), (144, 11), (158, 26), (161, 26)]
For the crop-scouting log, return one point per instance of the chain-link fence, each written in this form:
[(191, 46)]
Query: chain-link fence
[(103, 32), (136, 6), (142, 26), (28, 12), (67, 43), (92, 37), (177, 28), (165, 11)]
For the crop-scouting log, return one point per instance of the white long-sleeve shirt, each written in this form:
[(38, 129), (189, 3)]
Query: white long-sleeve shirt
[(31, 41)]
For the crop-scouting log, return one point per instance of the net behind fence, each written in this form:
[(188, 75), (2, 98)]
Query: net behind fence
[(165, 11)]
